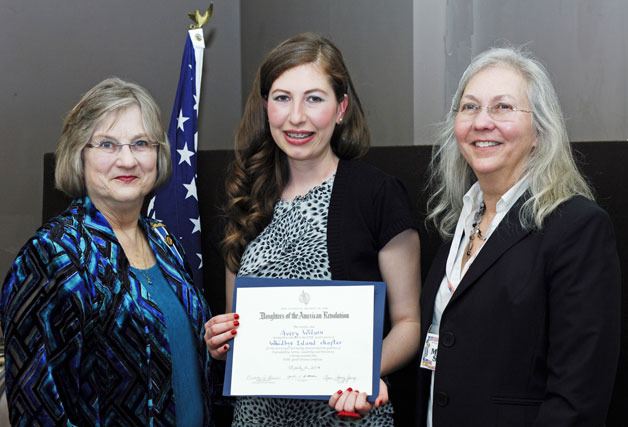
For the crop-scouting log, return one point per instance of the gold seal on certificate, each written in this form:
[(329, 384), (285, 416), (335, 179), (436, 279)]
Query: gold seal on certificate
[(305, 338)]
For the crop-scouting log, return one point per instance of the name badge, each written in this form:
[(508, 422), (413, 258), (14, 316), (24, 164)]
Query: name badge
[(430, 350)]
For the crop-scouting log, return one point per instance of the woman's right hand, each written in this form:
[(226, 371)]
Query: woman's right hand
[(219, 330)]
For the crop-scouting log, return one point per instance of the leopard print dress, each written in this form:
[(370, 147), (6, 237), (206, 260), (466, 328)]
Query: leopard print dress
[(294, 246)]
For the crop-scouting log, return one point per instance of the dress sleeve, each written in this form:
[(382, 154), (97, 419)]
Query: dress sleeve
[(393, 212), (42, 313), (584, 320)]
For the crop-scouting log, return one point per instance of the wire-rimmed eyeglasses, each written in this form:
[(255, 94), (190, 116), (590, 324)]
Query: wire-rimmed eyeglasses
[(501, 111), (111, 147)]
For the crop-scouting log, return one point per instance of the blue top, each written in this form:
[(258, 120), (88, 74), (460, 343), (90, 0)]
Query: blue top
[(185, 369)]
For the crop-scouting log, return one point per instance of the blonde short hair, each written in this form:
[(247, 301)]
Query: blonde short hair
[(110, 95)]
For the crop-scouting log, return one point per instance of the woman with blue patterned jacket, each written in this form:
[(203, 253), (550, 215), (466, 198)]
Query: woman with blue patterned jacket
[(101, 321)]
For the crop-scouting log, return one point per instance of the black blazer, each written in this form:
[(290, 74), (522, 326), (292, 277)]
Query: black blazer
[(531, 334)]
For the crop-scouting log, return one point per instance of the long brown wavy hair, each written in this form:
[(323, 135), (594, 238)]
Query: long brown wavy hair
[(259, 172)]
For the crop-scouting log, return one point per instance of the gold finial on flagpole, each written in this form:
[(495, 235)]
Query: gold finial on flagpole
[(201, 19)]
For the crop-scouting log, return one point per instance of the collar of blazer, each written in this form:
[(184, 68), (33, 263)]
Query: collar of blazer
[(508, 233)]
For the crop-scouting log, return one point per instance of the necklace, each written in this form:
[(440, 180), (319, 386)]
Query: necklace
[(139, 258), (145, 262), (476, 232), (149, 281)]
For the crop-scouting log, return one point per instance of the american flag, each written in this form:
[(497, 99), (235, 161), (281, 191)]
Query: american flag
[(176, 203)]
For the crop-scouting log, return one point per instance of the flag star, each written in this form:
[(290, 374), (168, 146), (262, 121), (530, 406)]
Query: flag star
[(181, 119), (195, 104), (191, 188), (185, 154), (200, 256), (197, 224)]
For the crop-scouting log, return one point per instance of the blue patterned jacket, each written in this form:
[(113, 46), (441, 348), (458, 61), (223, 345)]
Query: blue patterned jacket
[(84, 344)]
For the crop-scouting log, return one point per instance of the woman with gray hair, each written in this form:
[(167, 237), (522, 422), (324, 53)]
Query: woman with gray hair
[(102, 323), (520, 310)]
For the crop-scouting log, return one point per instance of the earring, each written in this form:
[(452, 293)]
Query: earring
[(340, 120)]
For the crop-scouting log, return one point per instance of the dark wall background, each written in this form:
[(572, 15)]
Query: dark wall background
[(601, 162)]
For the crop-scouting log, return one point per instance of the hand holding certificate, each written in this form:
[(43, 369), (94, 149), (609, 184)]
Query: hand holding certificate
[(306, 339)]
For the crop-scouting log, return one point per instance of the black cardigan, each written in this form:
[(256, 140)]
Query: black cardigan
[(367, 209)]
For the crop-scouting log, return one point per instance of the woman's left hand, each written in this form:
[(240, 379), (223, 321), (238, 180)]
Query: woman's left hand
[(354, 401)]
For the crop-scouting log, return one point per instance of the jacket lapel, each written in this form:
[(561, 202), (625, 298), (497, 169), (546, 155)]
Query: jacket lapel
[(432, 283), (174, 270), (507, 234)]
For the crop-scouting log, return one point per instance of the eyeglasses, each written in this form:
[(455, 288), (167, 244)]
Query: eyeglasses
[(502, 111), (111, 148)]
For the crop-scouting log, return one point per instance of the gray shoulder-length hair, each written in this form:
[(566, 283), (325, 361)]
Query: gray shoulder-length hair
[(110, 95), (552, 171)]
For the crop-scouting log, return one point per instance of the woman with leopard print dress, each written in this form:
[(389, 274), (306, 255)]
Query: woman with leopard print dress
[(301, 206)]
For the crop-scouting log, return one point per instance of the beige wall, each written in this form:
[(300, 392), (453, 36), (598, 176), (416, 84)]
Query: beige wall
[(375, 38), (405, 57), (53, 51), (581, 42)]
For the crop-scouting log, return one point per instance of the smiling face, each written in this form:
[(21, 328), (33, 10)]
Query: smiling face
[(496, 151), (119, 181), (303, 112)]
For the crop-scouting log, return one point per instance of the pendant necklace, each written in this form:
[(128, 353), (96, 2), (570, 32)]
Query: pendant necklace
[(149, 281), (142, 256), (476, 232)]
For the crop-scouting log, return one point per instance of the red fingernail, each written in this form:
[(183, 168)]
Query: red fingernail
[(348, 415), (236, 316), (349, 389), (225, 347), (236, 323), (339, 392), (233, 332)]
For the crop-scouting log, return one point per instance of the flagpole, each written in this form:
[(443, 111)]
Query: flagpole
[(198, 41)]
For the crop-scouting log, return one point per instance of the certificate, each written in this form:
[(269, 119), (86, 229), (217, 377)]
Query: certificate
[(305, 338)]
